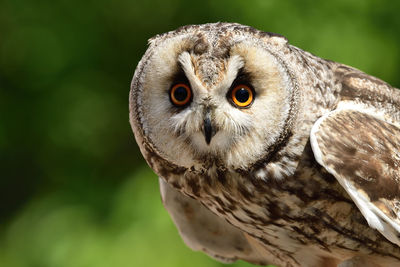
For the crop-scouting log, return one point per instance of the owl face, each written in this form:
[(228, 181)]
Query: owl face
[(216, 95)]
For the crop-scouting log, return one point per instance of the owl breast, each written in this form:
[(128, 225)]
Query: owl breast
[(294, 220)]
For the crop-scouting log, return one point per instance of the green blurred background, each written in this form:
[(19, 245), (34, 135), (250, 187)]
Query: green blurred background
[(74, 189)]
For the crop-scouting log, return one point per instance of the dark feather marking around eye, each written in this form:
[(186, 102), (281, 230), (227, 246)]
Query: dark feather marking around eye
[(178, 77), (242, 77)]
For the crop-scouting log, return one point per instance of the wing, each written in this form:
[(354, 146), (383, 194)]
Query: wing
[(362, 151), (202, 230)]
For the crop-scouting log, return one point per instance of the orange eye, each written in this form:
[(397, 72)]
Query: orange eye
[(242, 95), (180, 94)]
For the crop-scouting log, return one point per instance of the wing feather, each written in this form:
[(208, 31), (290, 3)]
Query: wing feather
[(363, 152)]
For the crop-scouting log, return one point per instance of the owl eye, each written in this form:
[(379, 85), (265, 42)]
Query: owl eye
[(180, 94), (242, 95)]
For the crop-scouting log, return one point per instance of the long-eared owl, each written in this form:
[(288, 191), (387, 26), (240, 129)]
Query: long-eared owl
[(268, 153)]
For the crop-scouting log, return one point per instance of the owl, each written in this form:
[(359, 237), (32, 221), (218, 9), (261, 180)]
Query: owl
[(267, 153)]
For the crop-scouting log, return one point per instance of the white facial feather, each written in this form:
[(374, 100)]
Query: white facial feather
[(187, 65)]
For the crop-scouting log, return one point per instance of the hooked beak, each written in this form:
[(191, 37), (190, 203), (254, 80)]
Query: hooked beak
[(209, 131)]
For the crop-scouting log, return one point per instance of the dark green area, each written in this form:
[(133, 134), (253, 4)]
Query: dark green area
[(74, 189)]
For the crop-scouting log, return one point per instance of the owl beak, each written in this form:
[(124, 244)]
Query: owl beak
[(209, 132)]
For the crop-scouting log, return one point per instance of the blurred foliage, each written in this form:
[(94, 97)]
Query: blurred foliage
[(74, 189)]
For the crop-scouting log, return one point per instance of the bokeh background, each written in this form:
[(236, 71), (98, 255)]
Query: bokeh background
[(74, 189)]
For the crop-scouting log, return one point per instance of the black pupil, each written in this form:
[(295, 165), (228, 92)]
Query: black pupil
[(180, 93), (242, 95)]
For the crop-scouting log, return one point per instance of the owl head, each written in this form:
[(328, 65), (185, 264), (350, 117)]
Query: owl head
[(214, 92)]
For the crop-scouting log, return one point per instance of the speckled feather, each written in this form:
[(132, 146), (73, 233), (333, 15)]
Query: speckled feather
[(263, 178)]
